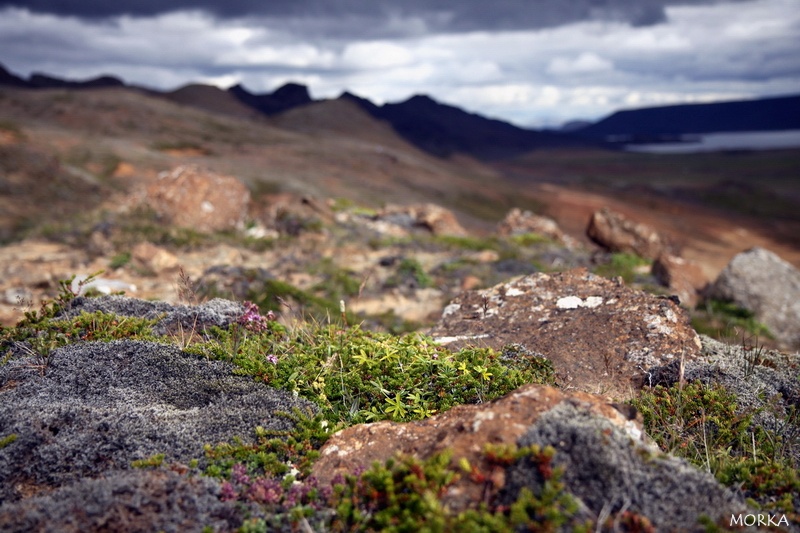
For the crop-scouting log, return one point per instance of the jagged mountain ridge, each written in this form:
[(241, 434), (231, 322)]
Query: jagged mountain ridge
[(444, 130)]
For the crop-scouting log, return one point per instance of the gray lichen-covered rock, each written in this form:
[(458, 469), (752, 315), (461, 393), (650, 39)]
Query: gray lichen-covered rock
[(608, 472), (128, 501), (98, 406), (171, 318), (763, 283)]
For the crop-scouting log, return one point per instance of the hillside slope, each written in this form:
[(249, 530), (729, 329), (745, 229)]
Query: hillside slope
[(652, 123), (120, 137)]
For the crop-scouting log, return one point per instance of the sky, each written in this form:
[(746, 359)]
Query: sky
[(535, 63)]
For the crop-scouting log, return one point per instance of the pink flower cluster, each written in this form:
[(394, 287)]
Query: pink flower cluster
[(253, 320), (270, 491)]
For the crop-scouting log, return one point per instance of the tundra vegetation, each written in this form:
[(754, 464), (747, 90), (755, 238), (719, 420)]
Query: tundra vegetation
[(354, 376)]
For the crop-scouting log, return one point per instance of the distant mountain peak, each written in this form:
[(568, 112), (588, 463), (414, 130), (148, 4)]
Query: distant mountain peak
[(282, 99), (44, 81)]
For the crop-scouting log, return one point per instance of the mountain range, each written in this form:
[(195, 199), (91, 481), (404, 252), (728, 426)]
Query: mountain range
[(444, 130)]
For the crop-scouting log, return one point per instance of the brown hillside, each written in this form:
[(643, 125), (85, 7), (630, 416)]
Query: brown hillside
[(66, 152), (210, 98)]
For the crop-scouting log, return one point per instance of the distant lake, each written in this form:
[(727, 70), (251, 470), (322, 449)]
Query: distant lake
[(709, 142)]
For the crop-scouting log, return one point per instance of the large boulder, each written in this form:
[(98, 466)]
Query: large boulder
[(683, 277), (763, 283), (519, 222), (617, 233), (599, 334), (197, 199), (608, 463)]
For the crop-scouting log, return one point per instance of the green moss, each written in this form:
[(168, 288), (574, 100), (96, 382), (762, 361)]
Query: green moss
[(151, 462), (529, 239), (623, 265), (409, 270), (8, 439), (120, 260), (468, 243), (727, 321)]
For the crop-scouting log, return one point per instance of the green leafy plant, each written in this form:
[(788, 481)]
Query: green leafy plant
[(357, 376), (405, 494), (274, 453)]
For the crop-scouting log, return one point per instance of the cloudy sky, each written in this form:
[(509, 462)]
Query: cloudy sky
[(532, 62)]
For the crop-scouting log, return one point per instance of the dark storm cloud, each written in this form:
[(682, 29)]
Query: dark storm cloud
[(367, 17), (531, 61)]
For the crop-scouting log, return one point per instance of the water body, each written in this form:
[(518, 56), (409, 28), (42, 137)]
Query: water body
[(712, 142)]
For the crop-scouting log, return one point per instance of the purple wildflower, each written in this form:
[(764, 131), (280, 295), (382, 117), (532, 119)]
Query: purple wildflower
[(272, 358), (252, 318), (228, 492), (239, 474), (265, 490)]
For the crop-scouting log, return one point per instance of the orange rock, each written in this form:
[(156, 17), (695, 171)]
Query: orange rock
[(198, 199), (617, 233), (683, 277), (600, 335)]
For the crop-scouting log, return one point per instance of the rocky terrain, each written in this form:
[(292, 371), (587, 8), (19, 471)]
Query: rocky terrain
[(223, 321)]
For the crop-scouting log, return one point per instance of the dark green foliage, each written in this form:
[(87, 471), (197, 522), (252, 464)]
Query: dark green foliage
[(274, 450), (405, 495)]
